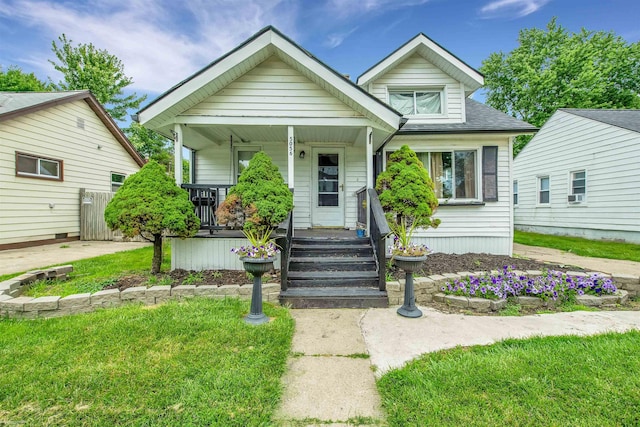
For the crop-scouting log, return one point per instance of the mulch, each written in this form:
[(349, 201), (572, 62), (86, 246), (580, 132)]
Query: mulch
[(435, 264)]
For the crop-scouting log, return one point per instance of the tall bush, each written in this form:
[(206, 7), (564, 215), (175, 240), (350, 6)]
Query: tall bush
[(149, 204), (260, 201), (406, 191)]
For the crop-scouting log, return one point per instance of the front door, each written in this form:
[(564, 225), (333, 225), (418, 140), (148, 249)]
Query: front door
[(327, 201)]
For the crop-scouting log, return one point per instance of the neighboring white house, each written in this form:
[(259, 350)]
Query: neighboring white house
[(330, 137), (580, 176), (52, 144)]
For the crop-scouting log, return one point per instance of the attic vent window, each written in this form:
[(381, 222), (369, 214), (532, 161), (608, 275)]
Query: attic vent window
[(80, 122)]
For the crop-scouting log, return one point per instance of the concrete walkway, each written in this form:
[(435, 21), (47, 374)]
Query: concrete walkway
[(328, 383), (25, 259)]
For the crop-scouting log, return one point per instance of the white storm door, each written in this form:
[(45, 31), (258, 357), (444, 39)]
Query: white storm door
[(327, 200)]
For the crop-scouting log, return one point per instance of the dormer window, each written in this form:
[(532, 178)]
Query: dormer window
[(416, 102)]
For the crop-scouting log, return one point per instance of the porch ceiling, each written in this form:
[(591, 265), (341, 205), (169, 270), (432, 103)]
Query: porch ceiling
[(258, 134)]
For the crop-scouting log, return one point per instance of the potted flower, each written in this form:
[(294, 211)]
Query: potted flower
[(258, 203), (408, 198)]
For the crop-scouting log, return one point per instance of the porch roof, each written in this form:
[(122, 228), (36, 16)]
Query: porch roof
[(167, 110)]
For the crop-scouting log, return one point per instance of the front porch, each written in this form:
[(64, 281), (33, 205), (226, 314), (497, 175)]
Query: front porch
[(320, 267)]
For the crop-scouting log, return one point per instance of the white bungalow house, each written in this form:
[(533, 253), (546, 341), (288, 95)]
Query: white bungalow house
[(579, 176), (52, 144), (330, 138)]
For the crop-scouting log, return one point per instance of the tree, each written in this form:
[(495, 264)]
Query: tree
[(85, 67), (554, 68), (15, 80), (260, 201), (151, 145), (148, 204), (407, 192)]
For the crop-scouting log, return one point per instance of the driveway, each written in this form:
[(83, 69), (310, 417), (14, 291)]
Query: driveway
[(25, 259)]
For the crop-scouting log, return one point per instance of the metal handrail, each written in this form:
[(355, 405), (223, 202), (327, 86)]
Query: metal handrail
[(284, 235), (378, 230)]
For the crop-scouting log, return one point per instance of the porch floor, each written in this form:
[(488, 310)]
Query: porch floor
[(326, 233)]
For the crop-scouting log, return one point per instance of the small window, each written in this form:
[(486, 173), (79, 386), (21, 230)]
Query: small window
[(117, 179), (579, 183), (33, 166), (515, 192), (244, 157), (543, 190), (409, 102)]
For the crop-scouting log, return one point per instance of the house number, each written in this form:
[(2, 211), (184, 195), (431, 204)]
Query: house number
[(291, 146)]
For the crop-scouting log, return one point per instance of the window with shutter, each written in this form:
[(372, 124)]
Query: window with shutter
[(490, 173)]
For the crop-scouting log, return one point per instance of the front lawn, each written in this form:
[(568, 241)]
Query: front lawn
[(189, 363), (93, 274), (582, 247), (552, 381)]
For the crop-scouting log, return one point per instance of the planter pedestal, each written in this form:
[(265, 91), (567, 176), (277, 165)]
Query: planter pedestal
[(257, 267), (409, 264)]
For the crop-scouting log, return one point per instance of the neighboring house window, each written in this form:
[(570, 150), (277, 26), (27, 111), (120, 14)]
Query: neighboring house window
[(579, 183), (515, 192), (244, 157), (543, 190), (29, 165), (117, 179), (454, 173), (414, 102)]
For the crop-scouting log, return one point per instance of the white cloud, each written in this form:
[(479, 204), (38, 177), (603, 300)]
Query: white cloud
[(347, 8), (511, 8), (335, 39), (157, 48)]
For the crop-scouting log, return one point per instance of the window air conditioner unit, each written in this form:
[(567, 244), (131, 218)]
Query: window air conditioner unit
[(575, 198)]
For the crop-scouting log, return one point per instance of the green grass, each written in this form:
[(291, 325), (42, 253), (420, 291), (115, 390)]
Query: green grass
[(92, 274), (582, 247), (552, 381), (190, 363)]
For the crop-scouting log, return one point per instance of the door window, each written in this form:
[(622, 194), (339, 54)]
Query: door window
[(328, 179)]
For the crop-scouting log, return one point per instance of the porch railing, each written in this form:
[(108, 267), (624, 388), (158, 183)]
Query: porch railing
[(284, 234), (378, 229), (206, 198)]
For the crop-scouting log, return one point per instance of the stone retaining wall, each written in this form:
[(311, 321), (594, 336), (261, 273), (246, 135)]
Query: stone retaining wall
[(425, 288), (15, 306)]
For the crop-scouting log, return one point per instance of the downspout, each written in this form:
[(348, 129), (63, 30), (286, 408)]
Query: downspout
[(377, 170)]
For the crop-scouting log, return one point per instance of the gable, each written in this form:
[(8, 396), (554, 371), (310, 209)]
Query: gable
[(441, 58), (413, 72), (164, 112), (273, 89)]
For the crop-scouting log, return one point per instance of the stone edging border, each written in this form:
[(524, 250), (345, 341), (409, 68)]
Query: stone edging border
[(484, 305), (15, 306), (426, 290)]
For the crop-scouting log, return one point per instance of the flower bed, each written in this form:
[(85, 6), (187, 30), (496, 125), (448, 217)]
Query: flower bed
[(551, 285)]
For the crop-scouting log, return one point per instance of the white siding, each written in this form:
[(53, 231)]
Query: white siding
[(273, 89), (89, 156), (214, 166), (608, 154), (486, 228), (417, 72), (208, 254)]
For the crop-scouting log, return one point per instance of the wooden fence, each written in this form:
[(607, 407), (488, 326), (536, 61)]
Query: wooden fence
[(92, 224)]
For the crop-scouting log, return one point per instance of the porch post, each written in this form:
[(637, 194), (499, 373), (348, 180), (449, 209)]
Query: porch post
[(370, 183), (291, 152), (177, 152)]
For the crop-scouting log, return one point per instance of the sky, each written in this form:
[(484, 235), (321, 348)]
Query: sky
[(162, 42)]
